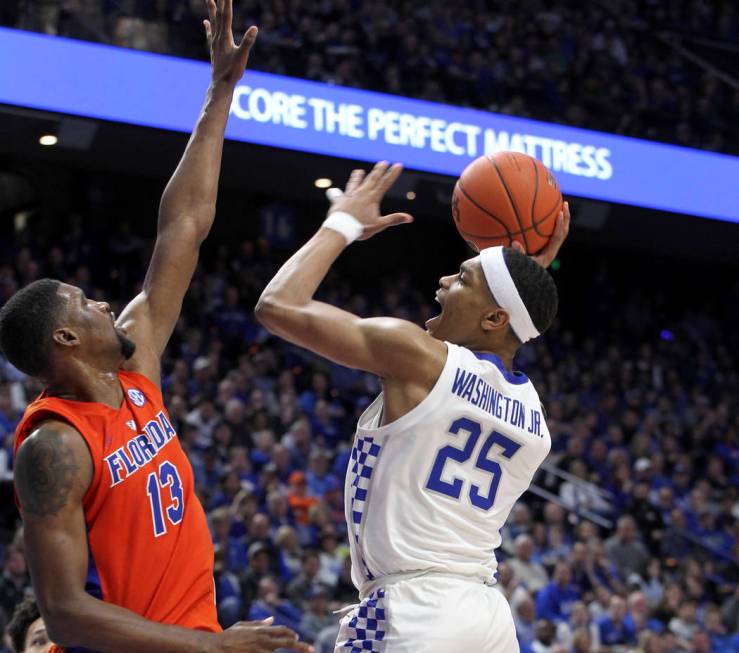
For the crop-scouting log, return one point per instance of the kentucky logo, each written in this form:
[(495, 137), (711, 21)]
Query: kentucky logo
[(137, 397)]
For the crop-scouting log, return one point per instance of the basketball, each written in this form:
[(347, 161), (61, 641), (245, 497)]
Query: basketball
[(504, 197)]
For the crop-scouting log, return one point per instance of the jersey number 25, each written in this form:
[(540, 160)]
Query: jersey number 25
[(454, 489)]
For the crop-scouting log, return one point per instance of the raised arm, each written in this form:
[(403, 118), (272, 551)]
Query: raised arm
[(391, 348), (53, 471), (187, 208)]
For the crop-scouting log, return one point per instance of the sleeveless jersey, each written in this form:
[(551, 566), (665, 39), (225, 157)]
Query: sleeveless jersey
[(431, 490), (150, 548)]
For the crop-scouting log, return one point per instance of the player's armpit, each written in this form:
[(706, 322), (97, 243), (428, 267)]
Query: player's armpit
[(388, 347)]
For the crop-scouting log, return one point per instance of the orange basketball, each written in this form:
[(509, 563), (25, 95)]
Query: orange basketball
[(504, 197)]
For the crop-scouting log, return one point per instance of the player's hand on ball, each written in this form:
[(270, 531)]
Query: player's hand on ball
[(259, 637), (363, 195), (228, 60), (549, 253)]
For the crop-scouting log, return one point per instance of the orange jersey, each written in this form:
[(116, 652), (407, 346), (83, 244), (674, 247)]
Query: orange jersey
[(150, 548)]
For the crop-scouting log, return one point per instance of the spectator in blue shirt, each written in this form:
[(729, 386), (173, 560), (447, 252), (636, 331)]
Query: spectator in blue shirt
[(269, 604), (554, 601), (612, 628)]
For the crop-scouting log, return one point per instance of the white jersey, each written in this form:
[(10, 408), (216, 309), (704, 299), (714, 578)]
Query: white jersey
[(431, 490)]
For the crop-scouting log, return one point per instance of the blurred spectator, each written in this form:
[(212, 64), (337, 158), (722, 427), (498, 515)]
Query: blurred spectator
[(625, 551), (612, 630), (555, 600), (531, 574)]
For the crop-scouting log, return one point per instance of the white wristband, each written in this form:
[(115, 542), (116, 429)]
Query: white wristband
[(347, 225)]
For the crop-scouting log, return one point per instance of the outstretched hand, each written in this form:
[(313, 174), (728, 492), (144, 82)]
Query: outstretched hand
[(260, 637), (549, 253), (228, 60), (363, 195)]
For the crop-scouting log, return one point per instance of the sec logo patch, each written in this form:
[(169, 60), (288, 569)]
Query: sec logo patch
[(137, 397)]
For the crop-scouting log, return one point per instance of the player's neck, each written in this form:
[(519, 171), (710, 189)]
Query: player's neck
[(503, 352), (80, 382)]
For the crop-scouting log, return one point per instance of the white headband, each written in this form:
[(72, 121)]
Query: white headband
[(505, 293)]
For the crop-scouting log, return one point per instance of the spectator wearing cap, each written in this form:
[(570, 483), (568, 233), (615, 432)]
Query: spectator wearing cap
[(260, 565), (307, 580), (532, 574), (298, 498), (612, 630), (316, 616), (555, 600), (625, 551)]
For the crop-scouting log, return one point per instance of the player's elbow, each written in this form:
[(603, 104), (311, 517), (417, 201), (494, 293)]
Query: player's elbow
[(63, 619), (269, 312)]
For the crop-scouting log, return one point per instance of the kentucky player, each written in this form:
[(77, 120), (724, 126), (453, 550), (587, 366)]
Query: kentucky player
[(444, 452), (118, 545)]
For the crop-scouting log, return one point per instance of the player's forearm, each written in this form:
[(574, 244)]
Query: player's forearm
[(298, 279), (100, 626), (192, 190)]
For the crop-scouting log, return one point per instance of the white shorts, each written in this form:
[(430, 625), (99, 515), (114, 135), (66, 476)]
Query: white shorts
[(430, 614)]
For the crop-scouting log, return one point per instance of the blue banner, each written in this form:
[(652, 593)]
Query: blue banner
[(128, 86)]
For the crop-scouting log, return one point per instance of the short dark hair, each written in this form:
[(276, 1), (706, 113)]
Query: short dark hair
[(536, 287), (26, 323), (26, 612)]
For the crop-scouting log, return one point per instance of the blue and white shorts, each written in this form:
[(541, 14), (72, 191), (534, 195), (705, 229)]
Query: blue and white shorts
[(430, 614)]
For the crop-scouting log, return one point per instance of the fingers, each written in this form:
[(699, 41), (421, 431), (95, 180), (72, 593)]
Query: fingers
[(212, 10), (518, 247), (389, 178), (281, 637), (355, 179), (208, 34), (249, 37), (226, 14), (395, 219)]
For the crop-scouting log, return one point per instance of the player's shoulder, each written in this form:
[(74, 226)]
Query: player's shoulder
[(52, 460), (53, 435), (411, 347)]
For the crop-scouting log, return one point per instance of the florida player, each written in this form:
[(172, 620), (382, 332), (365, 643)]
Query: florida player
[(442, 455), (118, 545)]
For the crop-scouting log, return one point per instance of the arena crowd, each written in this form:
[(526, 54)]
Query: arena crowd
[(604, 66), (644, 421)]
